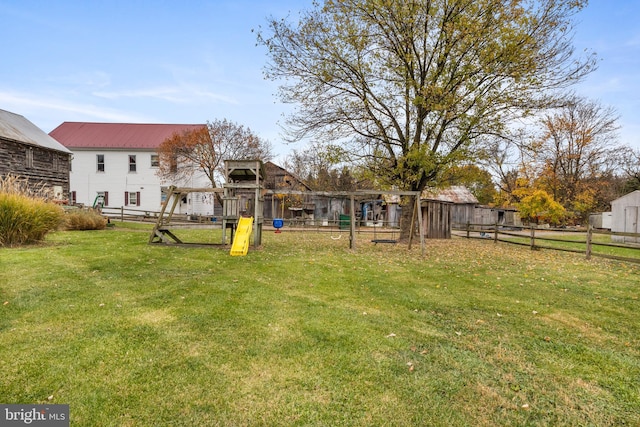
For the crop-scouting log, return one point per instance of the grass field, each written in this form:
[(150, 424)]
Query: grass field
[(306, 332)]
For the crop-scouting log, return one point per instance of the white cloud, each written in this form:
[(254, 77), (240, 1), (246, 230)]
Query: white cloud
[(180, 94), (47, 112), (79, 79)]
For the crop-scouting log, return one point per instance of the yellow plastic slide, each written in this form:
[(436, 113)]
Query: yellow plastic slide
[(240, 244)]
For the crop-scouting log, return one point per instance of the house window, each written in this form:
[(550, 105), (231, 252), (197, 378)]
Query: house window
[(155, 161), (100, 162), (131, 198), (132, 163), (163, 194)]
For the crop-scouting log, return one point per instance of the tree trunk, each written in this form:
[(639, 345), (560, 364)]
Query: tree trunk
[(407, 220)]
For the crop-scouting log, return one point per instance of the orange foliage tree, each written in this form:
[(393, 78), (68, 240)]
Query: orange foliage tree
[(538, 206), (204, 150), (576, 152)]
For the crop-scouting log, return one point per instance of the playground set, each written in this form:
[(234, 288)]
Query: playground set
[(242, 210), (241, 194)]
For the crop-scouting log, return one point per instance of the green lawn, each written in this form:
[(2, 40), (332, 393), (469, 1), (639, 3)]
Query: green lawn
[(306, 332)]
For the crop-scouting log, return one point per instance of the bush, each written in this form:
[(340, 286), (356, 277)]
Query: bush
[(84, 220), (25, 219)]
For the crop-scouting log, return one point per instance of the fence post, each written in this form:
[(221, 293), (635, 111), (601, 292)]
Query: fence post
[(468, 229), (589, 237), (533, 236), (495, 233), (121, 213)]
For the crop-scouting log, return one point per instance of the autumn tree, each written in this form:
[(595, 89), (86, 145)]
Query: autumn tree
[(507, 158), (576, 152), (630, 167), (540, 206), (413, 85), (322, 166), (205, 149)]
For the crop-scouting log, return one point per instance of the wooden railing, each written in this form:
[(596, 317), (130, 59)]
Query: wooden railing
[(588, 241), (129, 214)]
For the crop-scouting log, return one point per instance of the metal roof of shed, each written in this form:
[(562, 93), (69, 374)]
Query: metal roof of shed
[(457, 194), (117, 135), (17, 128)]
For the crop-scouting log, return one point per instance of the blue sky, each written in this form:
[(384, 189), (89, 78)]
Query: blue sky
[(189, 62)]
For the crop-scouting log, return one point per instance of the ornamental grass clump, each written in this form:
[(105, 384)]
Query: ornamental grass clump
[(25, 217), (79, 219)]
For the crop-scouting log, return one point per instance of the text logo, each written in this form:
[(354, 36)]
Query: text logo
[(34, 415)]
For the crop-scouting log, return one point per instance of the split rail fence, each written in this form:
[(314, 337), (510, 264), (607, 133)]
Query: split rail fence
[(590, 242)]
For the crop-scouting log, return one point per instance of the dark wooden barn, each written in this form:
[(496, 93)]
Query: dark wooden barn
[(28, 152), (286, 205)]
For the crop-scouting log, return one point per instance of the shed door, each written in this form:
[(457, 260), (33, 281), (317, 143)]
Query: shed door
[(631, 223)]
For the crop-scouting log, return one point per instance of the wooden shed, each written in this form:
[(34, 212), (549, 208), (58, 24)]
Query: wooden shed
[(462, 202), (436, 218), (28, 152), (625, 212), (278, 178), (490, 216)]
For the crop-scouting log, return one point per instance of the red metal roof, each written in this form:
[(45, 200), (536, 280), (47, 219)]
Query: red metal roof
[(116, 135)]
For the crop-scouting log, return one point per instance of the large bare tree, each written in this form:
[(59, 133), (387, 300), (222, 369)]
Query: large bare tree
[(411, 85)]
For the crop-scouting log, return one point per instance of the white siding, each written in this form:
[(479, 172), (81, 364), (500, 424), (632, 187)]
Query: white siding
[(625, 216), (116, 179)]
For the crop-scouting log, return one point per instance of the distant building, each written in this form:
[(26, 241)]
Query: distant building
[(487, 215), (28, 152), (462, 201), (625, 213), (116, 164), (601, 220)]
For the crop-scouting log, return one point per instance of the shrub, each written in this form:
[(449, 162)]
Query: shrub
[(25, 219), (78, 219)]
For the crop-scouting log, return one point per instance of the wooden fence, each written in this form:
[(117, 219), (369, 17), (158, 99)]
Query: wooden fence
[(292, 224), (127, 214), (590, 242)]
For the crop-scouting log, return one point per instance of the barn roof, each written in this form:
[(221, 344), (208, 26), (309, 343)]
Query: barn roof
[(634, 196), (454, 194), (17, 128), (117, 135)]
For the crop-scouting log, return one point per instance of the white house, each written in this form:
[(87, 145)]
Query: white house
[(624, 217), (117, 164)]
